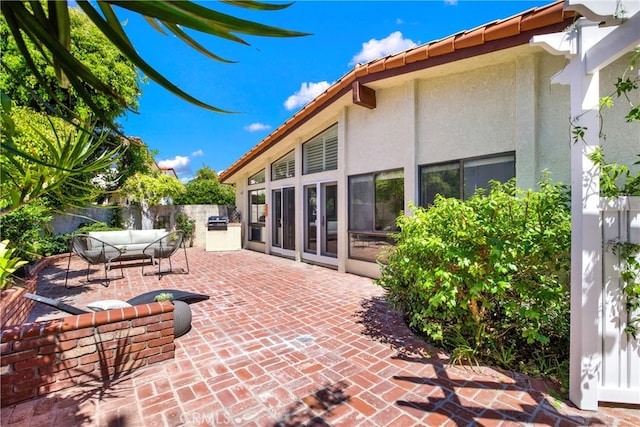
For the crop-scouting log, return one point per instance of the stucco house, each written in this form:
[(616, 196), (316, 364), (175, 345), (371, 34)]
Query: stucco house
[(444, 117)]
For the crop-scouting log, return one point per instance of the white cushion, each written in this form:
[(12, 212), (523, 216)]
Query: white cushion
[(108, 304), (146, 236), (115, 238)]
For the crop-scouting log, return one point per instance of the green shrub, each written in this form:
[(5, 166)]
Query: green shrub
[(86, 227), (187, 225), (487, 278), (27, 228), (53, 245), (115, 217)]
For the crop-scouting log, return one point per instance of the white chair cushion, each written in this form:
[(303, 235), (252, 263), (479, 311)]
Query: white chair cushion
[(108, 304)]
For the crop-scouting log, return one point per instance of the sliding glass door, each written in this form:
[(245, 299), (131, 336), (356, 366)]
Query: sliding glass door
[(321, 220), (284, 219)]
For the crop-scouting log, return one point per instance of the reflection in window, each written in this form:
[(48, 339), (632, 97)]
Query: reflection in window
[(321, 152), (375, 201), (257, 212), (285, 167), (462, 178), (258, 178), (389, 196)]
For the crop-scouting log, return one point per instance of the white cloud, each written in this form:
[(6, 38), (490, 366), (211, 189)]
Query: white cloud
[(180, 164), (256, 127), (307, 92), (374, 49), (451, 2), (399, 21), (197, 153)]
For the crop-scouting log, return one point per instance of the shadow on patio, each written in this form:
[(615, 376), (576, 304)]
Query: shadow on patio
[(281, 343)]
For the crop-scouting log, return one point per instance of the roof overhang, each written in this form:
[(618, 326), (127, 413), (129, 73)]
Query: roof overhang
[(498, 35)]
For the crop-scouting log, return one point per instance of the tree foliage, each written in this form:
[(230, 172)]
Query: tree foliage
[(44, 152), (49, 29), (40, 157), (92, 49), (151, 189), (206, 189)]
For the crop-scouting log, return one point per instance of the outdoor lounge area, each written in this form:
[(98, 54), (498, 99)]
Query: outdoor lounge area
[(285, 343)]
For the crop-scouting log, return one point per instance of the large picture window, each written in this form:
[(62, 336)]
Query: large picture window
[(257, 212), (461, 178), (375, 200), (284, 167), (321, 152)]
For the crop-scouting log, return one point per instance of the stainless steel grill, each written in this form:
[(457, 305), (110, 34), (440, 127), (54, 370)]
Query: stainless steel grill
[(217, 222)]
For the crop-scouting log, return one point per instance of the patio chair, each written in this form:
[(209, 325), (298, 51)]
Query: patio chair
[(165, 247), (94, 251)]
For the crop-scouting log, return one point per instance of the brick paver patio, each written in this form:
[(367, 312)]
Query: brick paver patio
[(282, 343)]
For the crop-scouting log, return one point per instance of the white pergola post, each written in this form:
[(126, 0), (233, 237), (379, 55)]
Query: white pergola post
[(586, 245), (586, 232), (590, 47)]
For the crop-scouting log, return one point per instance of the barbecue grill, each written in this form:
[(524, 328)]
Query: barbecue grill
[(217, 222)]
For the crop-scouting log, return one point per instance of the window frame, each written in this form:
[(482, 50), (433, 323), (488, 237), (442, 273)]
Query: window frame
[(461, 169), (371, 236), (290, 166), (258, 225), (255, 178), (324, 138)]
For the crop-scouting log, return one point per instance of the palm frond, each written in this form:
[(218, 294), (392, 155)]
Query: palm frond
[(194, 44), (256, 5), (50, 33), (137, 60)]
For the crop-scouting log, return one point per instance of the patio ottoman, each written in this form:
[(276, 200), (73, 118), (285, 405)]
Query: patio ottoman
[(181, 318), (181, 309)]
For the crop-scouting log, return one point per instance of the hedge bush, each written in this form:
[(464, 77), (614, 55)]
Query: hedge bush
[(27, 230), (488, 278)]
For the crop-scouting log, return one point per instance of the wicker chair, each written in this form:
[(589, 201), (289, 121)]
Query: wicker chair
[(165, 247), (94, 252)]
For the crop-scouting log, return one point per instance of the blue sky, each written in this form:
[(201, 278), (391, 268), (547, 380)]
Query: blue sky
[(275, 77)]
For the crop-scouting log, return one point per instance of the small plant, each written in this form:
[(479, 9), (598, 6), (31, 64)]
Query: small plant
[(86, 227), (115, 217), (187, 225), (26, 228), (8, 265), (165, 296), (630, 274)]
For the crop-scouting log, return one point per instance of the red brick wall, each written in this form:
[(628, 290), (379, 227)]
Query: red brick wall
[(14, 308), (42, 357)]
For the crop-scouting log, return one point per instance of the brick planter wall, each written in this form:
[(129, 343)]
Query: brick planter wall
[(14, 308), (42, 357)]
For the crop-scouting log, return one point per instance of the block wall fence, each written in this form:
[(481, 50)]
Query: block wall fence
[(163, 216)]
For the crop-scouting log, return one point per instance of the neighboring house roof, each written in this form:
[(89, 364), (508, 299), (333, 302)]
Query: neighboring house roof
[(487, 38), (168, 171)]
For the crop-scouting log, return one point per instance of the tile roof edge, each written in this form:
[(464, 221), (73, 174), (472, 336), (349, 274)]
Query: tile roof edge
[(531, 19)]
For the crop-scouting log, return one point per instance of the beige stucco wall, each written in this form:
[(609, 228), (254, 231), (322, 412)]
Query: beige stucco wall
[(377, 139), (552, 122), (466, 114), (499, 103)]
